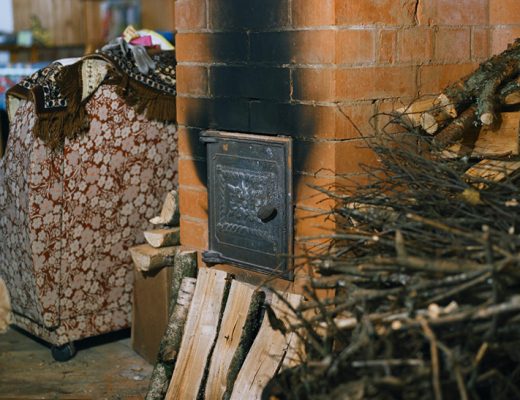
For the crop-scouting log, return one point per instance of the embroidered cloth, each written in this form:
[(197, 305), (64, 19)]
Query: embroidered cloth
[(61, 90)]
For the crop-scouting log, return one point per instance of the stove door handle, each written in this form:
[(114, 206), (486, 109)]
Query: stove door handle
[(266, 213)]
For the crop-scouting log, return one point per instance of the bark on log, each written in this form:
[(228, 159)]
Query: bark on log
[(163, 237), (455, 130), (267, 352), (487, 102), (185, 265), (487, 171), (170, 344), (170, 211), (432, 120), (482, 84), (249, 332), (498, 140), (202, 324), (147, 258)]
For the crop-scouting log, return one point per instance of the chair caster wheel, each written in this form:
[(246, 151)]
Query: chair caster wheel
[(64, 352)]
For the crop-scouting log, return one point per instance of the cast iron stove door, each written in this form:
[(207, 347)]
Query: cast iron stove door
[(250, 201)]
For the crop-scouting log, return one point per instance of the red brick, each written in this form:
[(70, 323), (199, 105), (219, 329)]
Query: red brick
[(501, 37), (349, 182), (193, 47), (461, 12), (194, 233), (193, 111), (480, 38), (212, 47), (296, 47), (350, 155), (426, 11), (383, 119), (352, 118), (192, 80), (370, 12), (190, 14), (415, 44), (306, 194), (308, 224), (314, 157), (192, 173), (193, 202), (312, 47), (189, 144), (452, 44), (355, 46), (306, 13), (434, 78), (374, 83), (299, 120), (387, 46), (503, 12), (316, 84)]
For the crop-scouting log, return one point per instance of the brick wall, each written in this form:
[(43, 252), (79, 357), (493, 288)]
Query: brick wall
[(317, 70)]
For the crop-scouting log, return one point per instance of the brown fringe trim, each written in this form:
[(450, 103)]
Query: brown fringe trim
[(54, 127), (155, 105)]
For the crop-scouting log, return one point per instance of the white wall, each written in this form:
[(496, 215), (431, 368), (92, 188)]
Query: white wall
[(6, 23)]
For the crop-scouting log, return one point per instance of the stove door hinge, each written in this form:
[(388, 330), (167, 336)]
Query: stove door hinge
[(212, 257)]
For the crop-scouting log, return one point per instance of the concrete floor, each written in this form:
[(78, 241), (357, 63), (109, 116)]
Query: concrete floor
[(105, 367)]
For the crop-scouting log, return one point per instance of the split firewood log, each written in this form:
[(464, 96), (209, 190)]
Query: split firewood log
[(148, 258), (433, 120), (163, 369), (240, 324), (181, 294), (411, 114), (482, 86), (511, 93), (465, 122), (5, 307), (170, 211), (495, 83), (269, 349), (487, 171), (163, 237), (498, 140), (202, 323)]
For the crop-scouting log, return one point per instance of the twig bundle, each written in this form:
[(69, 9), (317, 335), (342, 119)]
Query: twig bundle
[(426, 268)]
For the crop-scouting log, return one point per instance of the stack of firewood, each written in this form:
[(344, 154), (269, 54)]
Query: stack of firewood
[(218, 342), (162, 250), (477, 117), (161, 246)]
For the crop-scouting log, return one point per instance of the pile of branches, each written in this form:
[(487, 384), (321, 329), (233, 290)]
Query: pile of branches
[(425, 263)]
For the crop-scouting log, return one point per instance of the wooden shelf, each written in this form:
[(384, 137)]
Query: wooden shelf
[(36, 52)]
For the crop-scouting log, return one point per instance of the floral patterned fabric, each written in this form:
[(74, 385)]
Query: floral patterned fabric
[(67, 220)]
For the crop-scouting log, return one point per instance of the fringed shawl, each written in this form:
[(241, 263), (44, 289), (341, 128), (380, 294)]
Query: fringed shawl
[(60, 92)]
